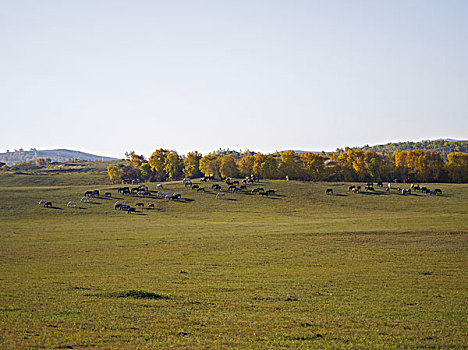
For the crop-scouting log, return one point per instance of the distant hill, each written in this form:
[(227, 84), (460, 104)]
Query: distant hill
[(444, 146), (56, 155)]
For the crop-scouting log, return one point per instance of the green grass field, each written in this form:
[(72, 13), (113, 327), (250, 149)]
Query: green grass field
[(301, 269)]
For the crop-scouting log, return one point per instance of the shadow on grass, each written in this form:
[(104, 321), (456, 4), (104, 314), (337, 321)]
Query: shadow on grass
[(340, 195), (132, 294), (58, 208), (184, 200)]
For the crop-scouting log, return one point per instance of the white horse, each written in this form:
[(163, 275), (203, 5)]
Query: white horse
[(42, 202), (84, 199), (141, 193), (71, 204), (159, 186), (220, 194), (186, 179)]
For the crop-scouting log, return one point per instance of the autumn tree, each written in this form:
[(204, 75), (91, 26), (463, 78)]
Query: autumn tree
[(246, 165), (270, 168), (457, 166), (43, 161), (134, 159), (228, 166), (313, 165), (210, 164), (114, 173), (173, 165), (192, 164), (290, 165), (259, 159), (158, 162)]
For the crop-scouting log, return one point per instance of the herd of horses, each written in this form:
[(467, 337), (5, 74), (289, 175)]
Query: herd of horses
[(404, 191), (232, 186), (143, 191)]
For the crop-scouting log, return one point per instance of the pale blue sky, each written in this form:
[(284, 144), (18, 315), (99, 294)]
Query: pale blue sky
[(110, 76)]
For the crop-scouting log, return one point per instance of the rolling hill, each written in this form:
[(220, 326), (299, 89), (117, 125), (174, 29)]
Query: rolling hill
[(56, 155)]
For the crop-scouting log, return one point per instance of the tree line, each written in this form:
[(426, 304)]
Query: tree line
[(343, 165)]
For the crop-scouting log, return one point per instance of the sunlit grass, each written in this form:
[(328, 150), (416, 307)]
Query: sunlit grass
[(297, 270)]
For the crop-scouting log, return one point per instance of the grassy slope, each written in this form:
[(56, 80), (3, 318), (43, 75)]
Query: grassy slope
[(299, 270)]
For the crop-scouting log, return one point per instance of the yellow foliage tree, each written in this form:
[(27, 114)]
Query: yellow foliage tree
[(228, 166)]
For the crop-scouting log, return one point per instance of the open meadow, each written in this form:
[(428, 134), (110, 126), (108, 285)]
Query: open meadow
[(298, 269)]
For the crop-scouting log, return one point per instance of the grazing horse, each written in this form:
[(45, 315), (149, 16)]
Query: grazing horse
[(216, 187), (140, 205), (194, 187), (380, 184), (42, 202), (88, 194), (124, 207), (159, 186), (232, 187), (117, 205), (203, 179), (48, 204), (131, 210), (270, 192), (169, 197), (177, 195), (329, 191), (438, 190), (263, 193), (84, 199), (369, 188), (219, 195), (71, 204), (95, 193), (186, 179), (423, 189), (351, 188), (417, 188), (188, 183), (108, 194), (150, 205), (201, 189)]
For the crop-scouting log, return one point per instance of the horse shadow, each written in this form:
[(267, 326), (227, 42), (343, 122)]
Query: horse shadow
[(95, 203), (184, 200), (373, 193), (340, 195), (57, 208)]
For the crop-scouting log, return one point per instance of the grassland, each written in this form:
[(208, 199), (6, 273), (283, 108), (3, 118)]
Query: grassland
[(296, 270)]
